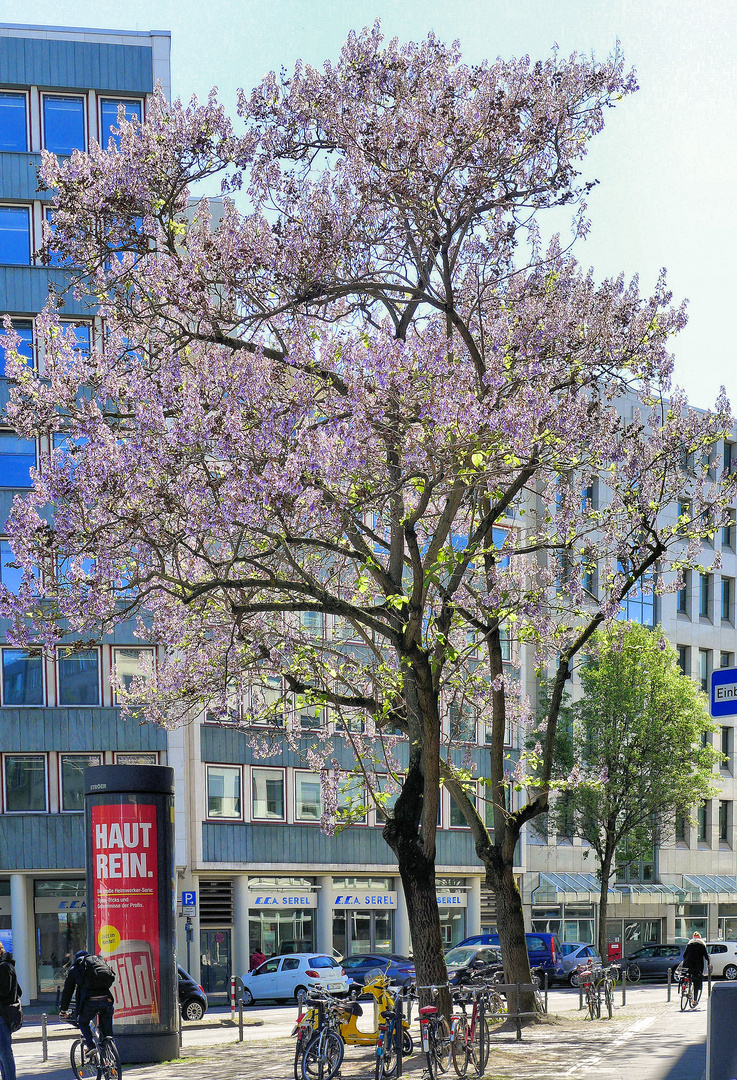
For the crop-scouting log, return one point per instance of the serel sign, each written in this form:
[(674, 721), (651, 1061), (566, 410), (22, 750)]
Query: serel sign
[(723, 692), (365, 900)]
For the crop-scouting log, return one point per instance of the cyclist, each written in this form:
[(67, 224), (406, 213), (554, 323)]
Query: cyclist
[(694, 958), (92, 1000)]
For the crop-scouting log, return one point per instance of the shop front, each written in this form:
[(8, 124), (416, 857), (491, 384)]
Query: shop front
[(452, 905), (363, 915), (60, 912), (281, 919)]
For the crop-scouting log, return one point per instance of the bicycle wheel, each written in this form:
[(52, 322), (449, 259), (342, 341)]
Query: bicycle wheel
[(685, 991), (438, 1056), (110, 1059), (323, 1056), (460, 1045), (480, 1046), (82, 1067), (591, 1002), (609, 998), (633, 973)]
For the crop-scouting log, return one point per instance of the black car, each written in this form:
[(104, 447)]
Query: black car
[(192, 998), (466, 962), (654, 961)]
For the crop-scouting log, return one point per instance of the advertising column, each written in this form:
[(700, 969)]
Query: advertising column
[(131, 898)]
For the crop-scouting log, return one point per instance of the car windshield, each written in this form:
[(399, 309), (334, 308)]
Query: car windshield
[(322, 962), (460, 956)]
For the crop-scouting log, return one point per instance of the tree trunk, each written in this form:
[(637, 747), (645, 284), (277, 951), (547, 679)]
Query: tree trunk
[(606, 873), (510, 921)]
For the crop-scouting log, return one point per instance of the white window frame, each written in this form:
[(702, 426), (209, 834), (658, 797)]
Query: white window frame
[(57, 679), (219, 817), (44, 693), (298, 773), (60, 774), (84, 97), (465, 827), (358, 822), (252, 802), (26, 753), (141, 648)]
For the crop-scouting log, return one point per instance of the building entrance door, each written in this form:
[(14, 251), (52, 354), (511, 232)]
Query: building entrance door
[(363, 932), (215, 961)]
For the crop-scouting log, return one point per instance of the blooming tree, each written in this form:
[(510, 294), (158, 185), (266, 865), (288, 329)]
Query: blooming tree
[(337, 436)]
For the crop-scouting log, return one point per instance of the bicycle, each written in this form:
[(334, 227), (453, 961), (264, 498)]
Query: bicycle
[(323, 1054), (688, 993), (435, 1035), (103, 1061), (386, 1040), (610, 977), (304, 1029), (587, 980), (633, 972), (470, 1040)]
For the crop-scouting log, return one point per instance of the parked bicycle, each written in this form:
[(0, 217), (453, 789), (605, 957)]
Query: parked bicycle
[(470, 1037), (103, 1061), (387, 1042), (436, 1041), (322, 1054)]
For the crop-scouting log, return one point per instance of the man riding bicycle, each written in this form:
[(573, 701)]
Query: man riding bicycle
[(91, 978), (694, 958)]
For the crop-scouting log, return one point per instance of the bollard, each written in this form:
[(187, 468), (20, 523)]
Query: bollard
[(240, 1019), (624, 985), (708, 990), (232, 997), (670, 980), (58, 1000), (180, 1028), (546, 993), (580, 992), (44, 1039), (399, 1033)]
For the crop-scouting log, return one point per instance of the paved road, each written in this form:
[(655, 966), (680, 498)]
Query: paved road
[(648, 1039)]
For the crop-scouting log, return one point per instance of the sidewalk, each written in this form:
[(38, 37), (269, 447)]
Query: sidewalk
[(60, 1029)]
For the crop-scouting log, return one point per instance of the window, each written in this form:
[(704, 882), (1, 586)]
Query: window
[(352, 799), (727, 747), (267, 702), (729, 456), (63, 123), (726, 659), (224, 792), (11, 574), (109, 117), (307, 797), (589, 500), (24, 330), (682, 595), (151, 758), (290, 964), (680, 828), (705, 591), (267, 794), (311, 715), (684, 659), (25, 783), (704, 669), (23, 677), (725, 820), (17, 458), (71, 770), (82, 335), (13, 122), (728, 531), (131, 662), (462, 719), (15, 236), (703, 822), (639, 604), (727, 594), (78, 677)]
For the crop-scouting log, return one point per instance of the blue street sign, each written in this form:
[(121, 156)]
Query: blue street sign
[(723, 692), (189, 900)]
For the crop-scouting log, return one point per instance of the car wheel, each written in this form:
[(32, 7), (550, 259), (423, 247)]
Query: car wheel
[(192, 1010), (573, 978), (730, 972), (247, 997), (298, 992)]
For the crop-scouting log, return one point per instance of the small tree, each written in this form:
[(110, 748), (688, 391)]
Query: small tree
[(638, 741)]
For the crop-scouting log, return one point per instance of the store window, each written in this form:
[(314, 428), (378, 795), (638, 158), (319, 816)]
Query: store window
[(132, 662), (71, 777), (17, 458), (307, 797), (267, 794), (109, 117), (224, 792), (61, 929), (24, 330), (452, 926), (13, 122), (25, 783), (23, 677), (689, 919), (281, 930), (15, 236), (361, 932), (63, 123), (78, 677)]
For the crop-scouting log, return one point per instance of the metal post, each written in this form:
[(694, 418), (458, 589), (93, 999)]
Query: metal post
[(708, 992), (232, 997), (580, 991), (399, 1031), (546, 993), (179, 1013), (624, 984), (670, 981), (44, 1039), (240, 1019), (188, 934), (58, 999)]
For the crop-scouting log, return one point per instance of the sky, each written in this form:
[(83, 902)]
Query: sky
[(665, 161)]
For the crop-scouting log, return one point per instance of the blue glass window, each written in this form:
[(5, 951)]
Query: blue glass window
[(17, 458), (13, 125), (15, 236), (10, 576), (22, 677), (82, 334), (63, 124), (55, 258), (109, 118), (637, 607), (24, 330), (79, 679)]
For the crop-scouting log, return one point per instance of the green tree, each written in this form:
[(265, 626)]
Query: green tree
[(638, 739)]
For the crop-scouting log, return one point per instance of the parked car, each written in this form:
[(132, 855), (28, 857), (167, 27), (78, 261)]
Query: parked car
[(723, 958), (284, 977), (572, 955), (400, 969), (543, 949), (464, 962), (654, 961), (192, 998)]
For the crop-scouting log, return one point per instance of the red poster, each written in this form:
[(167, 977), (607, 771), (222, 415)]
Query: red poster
[(126, 906)]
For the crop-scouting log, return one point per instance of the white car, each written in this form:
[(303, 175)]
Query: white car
[(723, 958), (284, 977)]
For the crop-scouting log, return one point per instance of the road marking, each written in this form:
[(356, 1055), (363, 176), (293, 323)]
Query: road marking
[(642, 1024)]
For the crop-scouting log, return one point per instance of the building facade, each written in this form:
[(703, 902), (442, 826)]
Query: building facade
[(249, 842)]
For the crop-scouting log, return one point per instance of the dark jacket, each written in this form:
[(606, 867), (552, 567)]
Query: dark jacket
[(8, 979), (695, 956), (74, 982)]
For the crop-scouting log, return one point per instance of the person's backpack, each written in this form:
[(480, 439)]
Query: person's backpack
[(94, 973), (11, 1009)]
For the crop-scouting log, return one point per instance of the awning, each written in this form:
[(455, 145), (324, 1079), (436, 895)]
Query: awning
[(570, 889), (652, 893), (711, 888)]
